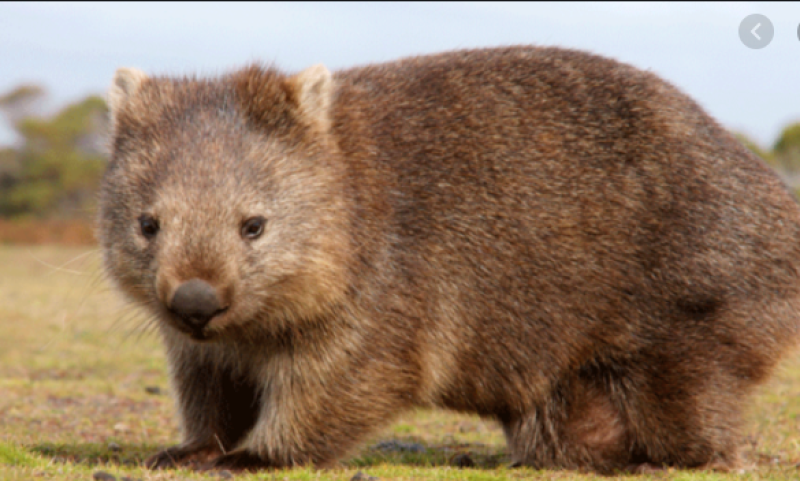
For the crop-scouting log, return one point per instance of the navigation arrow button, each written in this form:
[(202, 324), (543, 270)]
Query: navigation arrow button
[(756, 31)]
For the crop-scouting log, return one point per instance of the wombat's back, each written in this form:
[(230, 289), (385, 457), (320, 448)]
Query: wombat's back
[(550, 208)]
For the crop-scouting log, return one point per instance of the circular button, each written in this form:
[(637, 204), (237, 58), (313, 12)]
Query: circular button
[(756, 31)]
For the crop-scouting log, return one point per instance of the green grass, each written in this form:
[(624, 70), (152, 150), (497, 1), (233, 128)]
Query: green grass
[(75, 368)]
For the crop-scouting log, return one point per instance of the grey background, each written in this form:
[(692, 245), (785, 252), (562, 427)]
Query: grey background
[(73, 49)]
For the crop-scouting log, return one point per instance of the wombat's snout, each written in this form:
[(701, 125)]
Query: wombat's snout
[(196, 302)]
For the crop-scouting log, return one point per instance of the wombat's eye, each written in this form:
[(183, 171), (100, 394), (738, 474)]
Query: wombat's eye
[(253, 227), (148, 225)]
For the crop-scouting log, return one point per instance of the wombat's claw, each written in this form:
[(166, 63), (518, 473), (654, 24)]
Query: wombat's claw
[(176, 456), (237, 461), (165, 459)]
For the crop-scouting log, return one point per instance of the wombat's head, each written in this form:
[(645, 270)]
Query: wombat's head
[(223, 209)]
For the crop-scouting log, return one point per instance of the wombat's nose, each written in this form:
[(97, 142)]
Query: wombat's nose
[(196, 302)]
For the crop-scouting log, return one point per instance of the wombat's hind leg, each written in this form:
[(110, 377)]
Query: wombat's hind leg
[(580, 427)]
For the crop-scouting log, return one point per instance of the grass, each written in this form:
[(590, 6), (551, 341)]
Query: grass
[(83, 390)]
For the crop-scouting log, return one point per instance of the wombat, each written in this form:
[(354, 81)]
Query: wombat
[(541, 236)]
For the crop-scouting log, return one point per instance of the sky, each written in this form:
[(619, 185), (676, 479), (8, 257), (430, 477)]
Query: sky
[(73, 49)]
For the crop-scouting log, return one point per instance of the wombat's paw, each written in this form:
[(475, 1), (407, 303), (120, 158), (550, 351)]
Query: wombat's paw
[(180, 456), (238, 461)]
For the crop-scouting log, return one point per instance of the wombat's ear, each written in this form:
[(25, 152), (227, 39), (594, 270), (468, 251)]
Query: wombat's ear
[(126, 82), (311, 91)]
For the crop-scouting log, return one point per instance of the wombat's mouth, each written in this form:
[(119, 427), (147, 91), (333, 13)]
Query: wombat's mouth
[(196, 328), (201, 336)]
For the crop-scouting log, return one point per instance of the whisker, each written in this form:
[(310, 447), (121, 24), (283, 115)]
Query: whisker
[(56, 268)]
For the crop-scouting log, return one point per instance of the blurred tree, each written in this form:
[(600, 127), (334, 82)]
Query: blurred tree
[(787, 147), (9, 175), (58, 167), (22, 102)]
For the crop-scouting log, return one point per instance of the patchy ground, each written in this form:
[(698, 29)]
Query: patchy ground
[(83, 391)]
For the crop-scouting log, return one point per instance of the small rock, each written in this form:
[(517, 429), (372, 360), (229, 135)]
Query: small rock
[(463, 460), (155, 390), (112, 446), (400, 446), (103, 476), (359, 476)]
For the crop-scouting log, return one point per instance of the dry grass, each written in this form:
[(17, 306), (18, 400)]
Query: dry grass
[(53, 231), (77, 378)]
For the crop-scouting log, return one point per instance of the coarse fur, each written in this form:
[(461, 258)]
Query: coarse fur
[(542, 236)]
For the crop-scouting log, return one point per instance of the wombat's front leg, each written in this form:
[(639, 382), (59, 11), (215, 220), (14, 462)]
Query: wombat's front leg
[(308, 418), (216, 407)]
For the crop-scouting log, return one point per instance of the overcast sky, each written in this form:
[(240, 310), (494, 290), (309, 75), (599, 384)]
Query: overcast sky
[(73, 49)]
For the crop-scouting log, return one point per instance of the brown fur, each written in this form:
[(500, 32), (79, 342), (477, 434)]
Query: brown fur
[(546, 237)]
